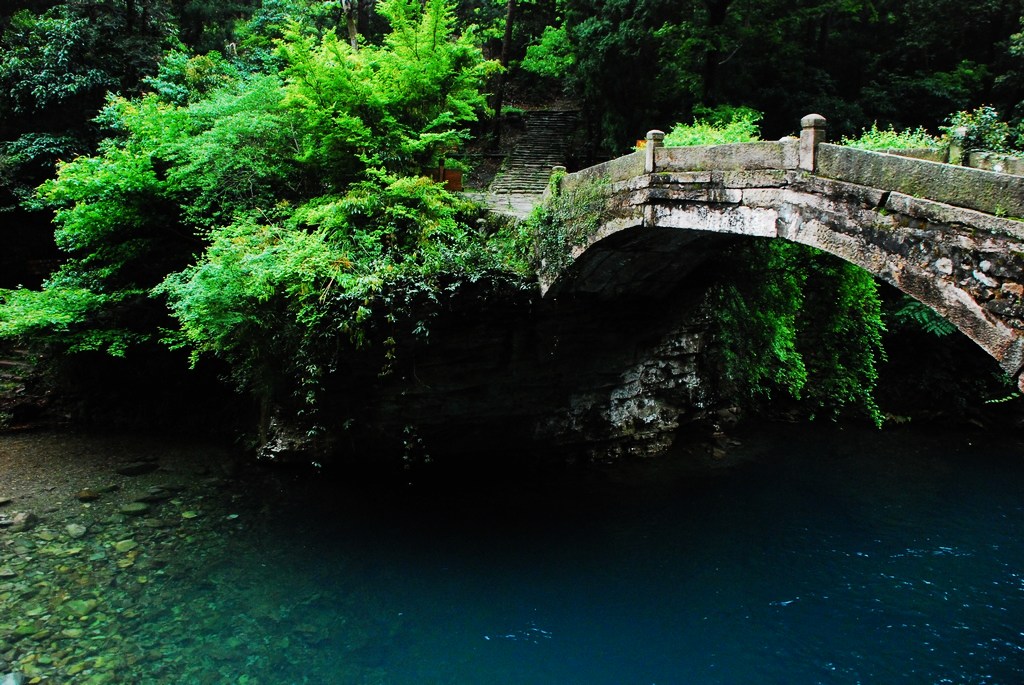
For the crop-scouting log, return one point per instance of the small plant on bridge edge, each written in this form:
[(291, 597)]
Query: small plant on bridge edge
[(980, 130), (721, 125), (876, 138)]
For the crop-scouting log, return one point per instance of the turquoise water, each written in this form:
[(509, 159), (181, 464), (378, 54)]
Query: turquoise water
[(828, 556), (838, 558)]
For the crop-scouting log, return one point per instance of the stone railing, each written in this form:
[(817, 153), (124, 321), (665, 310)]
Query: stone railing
[(985, 191), (912, 173), (614, 170), (993, 161)]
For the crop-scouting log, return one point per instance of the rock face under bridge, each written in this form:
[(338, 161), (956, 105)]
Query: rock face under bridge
[(506, 373)]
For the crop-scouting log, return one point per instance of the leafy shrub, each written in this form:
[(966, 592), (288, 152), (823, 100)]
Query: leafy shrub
[(724, 124), (981, 130), (271, 219), (876, 138)]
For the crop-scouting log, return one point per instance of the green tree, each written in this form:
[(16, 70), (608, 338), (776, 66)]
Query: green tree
[(299, 190), (642, 64), (56, 65)]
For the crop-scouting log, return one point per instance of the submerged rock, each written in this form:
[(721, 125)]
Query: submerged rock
[(81, 607), (87, 495), (134, 508), (23, 521), (157, 493), (158, 523), (138, 468), (125, 545), (75, 530)]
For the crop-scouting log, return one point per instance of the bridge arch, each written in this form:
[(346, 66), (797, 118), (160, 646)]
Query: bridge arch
[(948, 236)]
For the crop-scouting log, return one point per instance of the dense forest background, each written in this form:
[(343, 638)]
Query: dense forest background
[(631, 65), (227, 181)]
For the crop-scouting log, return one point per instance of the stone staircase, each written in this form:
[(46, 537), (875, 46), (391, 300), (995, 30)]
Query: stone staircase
[(524, 175)]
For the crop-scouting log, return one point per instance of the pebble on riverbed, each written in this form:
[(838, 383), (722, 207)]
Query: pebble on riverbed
[(134, 508), (87, 495), (22, 521), (75, 530), (97, 592), (138, 468)]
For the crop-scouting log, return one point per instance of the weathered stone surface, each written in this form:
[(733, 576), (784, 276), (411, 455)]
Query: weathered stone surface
[(986, 191), (992, 161), (1014, 289), (743, 156), (930, 154), (946, 214), (22, 521), (750, 221), (618, 169), (635, 410)]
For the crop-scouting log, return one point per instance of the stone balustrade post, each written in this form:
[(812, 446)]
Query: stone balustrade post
[(655, 139), (812, 132), (554, 188), (956, 146)]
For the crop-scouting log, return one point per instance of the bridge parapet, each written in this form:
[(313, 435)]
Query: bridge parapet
[(986, 191), (614, 170), (783, 154)]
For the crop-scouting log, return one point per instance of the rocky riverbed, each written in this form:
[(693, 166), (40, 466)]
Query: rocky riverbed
[(133, 560)]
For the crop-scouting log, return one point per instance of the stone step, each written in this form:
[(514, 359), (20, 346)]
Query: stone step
[(521, 188), (536, 187), (527, 169), (532, 182)]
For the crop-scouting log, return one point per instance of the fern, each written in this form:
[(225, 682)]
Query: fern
[(1010, 395), (914, 312)]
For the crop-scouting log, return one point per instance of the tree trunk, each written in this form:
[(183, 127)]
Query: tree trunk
[(499, 90), (351, 19)]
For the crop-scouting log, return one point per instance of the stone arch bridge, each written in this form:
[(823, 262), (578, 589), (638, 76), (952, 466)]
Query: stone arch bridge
[(950, 236)]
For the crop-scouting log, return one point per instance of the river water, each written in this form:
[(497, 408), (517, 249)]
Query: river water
[(827, 555)]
